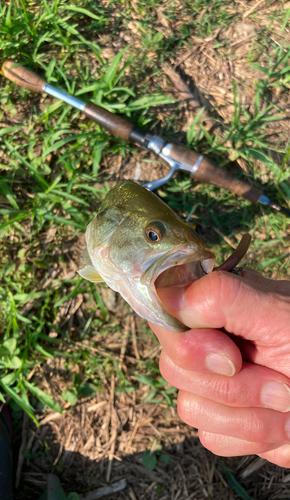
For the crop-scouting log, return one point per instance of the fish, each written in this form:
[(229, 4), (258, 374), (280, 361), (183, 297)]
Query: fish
[(136, 244)]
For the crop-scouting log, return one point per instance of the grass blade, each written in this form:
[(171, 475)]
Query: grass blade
[(80, 10), (60, 144), (235, 484), (153, 100), (113, 68), (64, 222), (27, 408), (39, 177), (43, 397), (15, 219)]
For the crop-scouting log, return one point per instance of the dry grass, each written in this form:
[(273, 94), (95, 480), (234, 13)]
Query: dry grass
[(100, 442)]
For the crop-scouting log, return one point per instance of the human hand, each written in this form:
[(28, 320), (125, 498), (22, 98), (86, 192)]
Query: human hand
[(234, 386)]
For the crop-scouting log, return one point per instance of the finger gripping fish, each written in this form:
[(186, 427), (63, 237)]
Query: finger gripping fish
[(137, 244)]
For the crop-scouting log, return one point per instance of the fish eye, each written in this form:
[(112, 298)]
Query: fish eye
[(155, 231)]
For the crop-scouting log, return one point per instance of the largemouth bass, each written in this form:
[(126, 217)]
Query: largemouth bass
[(137, 244)]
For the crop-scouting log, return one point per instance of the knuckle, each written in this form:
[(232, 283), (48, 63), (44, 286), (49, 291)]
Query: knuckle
[(254, 429), (224, 392), (284, 451), (210, 441), (220, 293), (188, 408), (232, 290)]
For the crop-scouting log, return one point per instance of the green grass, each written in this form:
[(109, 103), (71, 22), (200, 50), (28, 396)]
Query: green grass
[(53, 176)]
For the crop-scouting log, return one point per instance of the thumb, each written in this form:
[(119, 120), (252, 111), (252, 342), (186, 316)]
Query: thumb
[(223, 300)]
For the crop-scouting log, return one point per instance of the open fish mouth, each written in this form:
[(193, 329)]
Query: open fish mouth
[(179, 268), (184, 274)]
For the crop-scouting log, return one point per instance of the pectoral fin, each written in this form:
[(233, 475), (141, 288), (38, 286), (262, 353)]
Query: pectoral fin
[(86, 258), (89, 273)]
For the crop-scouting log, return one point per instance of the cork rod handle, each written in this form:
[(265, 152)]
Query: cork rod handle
[(209, 173), (22, 76), (115, 124)]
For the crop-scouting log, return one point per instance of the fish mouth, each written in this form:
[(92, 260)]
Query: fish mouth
[(184, 274), (179, 267)]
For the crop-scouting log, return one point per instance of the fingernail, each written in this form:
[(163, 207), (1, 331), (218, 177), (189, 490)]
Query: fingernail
[(218, 363), (276, 395)]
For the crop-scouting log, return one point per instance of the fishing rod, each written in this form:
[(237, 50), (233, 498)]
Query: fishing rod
[(177, 156)]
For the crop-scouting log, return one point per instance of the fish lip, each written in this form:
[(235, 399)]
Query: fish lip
[(177, 257)]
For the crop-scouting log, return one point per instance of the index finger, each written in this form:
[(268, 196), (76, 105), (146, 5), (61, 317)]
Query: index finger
[(202, 351)]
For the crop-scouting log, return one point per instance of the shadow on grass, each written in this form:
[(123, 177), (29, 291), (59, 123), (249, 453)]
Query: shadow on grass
[(153, 457), (183, 470)]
